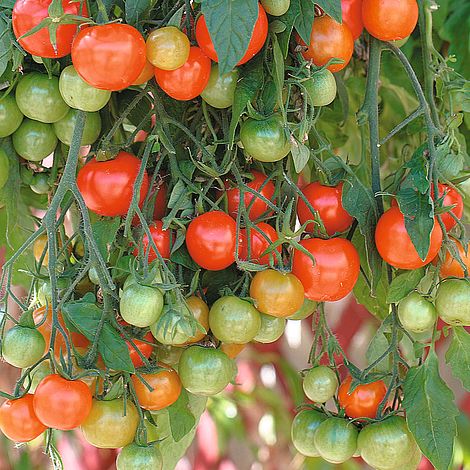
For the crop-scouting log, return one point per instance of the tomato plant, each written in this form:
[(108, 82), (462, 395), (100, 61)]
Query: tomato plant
[(161, 238), (220, 89), (260, 239)]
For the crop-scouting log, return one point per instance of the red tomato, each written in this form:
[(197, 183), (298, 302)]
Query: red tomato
[(258, 37), (451, 267), (159, 210), (352, 16), (390, 20), (145, 349), (258, 244), (162, 239), (327, 201), (260, 184), (110, 56), (107, 187), (188, 81), (329, 39), (62, 404), (364, 401), (211, 240), (335, 272), (18, 421), (451, 198), (27, 14), (395, 245)]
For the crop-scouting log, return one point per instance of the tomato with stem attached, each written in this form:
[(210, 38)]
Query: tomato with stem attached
[(64, 128), (321, 88), (416, 313), (161, 238), (141, 305), (451, 266)]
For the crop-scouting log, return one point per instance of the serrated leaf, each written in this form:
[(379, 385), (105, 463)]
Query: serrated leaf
[(230, 24), (300, 155), (104, 233), (431, 412), (135, 10), (182, 421), (418, 175), (5, 46), (288, 19), (458, 355), (304, 21), (404, 284)]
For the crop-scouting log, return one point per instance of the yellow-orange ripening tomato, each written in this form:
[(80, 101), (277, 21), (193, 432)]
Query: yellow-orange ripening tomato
[(167, 48)]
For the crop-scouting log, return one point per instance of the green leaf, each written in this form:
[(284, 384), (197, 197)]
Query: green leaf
[(300, 155), (331, 8), (104, 233), (230, 24), (417, 177), (458, 355), (135, 10), (181, 418), (278, 73), (288, 19), (378, 346), (5, 45), (403, 284), (304, 20), (181, 256), (431, 412)]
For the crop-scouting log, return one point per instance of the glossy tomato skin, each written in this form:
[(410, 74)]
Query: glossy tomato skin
[(395, 245), (390, 20), (364, 401), (271, 329), (258, 244), (141, 305), (22, 346), (200, 312), (451, 267), (329, 40), (10, 115), (335, 272), (321, 88), (352, 16), (145, 348), (453, 301), (276, 293), (416, 313), (109, 57), (258, 37), (211, 240), (111, 424), (167, 48), (34, 140), (187, 81), (27, 14), (451, 198), (326, 200), (135, 457), (166, 389), (260, 184), (220, 90), (303, 430), (162, 239), (146, 74), (18, 421), (107, 187), (65, 127), (62, 404), (320, 384)]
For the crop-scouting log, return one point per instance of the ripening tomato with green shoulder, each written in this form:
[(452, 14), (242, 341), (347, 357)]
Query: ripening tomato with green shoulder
[(352, 16), (167, 48), (27, 14), (220, 89), (188, 81), (136, 457), (261, 238), (200, 311), (10, 115), (109, 56), (451, 267), (34, 140), (107, 187), (162, 239), (18, 421), (321, 88), (258, 37), (328, 40)]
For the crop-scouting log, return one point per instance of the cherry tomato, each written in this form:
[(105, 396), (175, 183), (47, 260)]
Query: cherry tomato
[(271, 329), (107, 187), (162, 240), (10, 115), (22, 347), (266, 139), (364, 401), (173, 332), (321, 88), (159, 210), (258, 37), (453, 301), (277, 294), (40, 183), (303, 430), (390, 20), (136, 457), (211, 240), (275, 7), (329, 40), (60, 403), (334, 273), (395, 245), (166, 389), (18, 420), (65, 127), (34, 140), (232, 350), (320, 384), (352, 16), (200, 312), (167, 48), (307, 309), (220, 89), (145, 349), (188, 81), (111, 424), (141, 305), (451, 267), (233, 320), (326, 200), (110, 56), (27, 14), (451, 198), (416, 314), (146, 74), (258, 183), (258, 244)]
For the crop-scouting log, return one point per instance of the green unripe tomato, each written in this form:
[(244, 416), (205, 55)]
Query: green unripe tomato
[(220, 90), (64, 128), (265, 140), (233, 320), (23, 346), (169, 355), (417, 314), (39, 98), (135, 457), (205, 371), (93, 276), (40, 183), (171, 334), (37, 374), (303, 430), (271, 329), (34, 140), (453, 301), (275, 7), (78, 94), (10, 115), (4, 168), (321, 88), (320, 384), (307, 309), (141, 305)]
